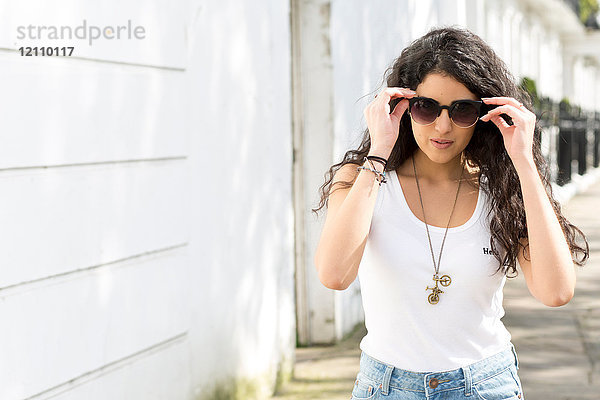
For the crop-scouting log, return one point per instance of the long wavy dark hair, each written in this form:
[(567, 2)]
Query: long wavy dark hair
[(461, 54)]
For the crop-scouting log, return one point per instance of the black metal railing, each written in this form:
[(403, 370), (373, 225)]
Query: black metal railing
[(577, 142)]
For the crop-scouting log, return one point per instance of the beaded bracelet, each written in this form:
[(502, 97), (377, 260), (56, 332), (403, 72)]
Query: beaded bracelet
[(379, 176)]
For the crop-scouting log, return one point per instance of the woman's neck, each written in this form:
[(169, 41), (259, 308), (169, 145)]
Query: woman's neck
[(433, 172)]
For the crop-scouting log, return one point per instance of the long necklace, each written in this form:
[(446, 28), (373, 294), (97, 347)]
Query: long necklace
[(445, 280)]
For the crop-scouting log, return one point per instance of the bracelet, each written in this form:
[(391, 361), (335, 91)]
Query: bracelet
[(379, 176), (379, 159)]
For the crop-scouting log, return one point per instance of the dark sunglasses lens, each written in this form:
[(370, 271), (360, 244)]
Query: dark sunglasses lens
[(465, 114), (424, 111)]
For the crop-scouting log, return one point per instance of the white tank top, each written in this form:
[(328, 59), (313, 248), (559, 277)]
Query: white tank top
[(403, 328)]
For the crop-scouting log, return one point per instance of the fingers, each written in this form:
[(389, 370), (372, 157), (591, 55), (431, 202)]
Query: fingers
[(505, 101), (512, 112), (382, 100), (510, 106), (386, 94), (400, 107), (499, 121), (383, 126), (502, 101)]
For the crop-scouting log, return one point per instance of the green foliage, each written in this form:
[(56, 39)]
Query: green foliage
[(528, 85), (587, 8), (566, 105)]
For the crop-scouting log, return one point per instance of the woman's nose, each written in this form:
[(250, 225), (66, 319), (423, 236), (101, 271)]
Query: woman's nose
[(443, 122)]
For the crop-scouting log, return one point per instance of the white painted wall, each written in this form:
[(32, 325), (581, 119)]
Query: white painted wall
[(241, 219), (147, 244)]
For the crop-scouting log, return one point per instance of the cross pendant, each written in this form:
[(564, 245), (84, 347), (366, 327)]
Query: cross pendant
[(434, 296)]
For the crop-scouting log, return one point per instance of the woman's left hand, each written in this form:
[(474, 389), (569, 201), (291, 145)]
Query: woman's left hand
[(518, 138)]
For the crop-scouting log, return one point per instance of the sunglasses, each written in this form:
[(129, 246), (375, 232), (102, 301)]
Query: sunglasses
[(464, 113)]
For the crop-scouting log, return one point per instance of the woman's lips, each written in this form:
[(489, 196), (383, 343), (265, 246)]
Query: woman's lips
[(441, 145)]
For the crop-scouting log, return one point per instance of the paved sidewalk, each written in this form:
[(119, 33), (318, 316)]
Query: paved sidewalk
[(558, 348)]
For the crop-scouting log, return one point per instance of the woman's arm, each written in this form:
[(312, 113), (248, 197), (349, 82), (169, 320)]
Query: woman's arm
[(550, 275), (344, 235)]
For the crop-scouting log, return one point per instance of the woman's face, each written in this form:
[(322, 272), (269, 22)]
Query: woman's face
[(445, 90)]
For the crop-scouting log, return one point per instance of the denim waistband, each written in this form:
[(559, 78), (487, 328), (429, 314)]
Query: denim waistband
[(466, 376)]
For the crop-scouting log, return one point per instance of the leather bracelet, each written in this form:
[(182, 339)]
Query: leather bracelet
[(378, 159)]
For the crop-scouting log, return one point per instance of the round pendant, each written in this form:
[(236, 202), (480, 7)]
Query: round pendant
[(433, 298), (445, 280)]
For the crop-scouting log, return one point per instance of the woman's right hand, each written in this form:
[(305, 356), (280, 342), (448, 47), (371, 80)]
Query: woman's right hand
[(383, 125)]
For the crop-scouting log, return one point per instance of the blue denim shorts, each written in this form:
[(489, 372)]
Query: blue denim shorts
[(493, 378)]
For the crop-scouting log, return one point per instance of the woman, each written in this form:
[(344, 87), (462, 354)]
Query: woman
[(437, 204)]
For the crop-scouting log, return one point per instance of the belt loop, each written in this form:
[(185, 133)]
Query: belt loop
[(385, 385), (512, 347), (468, 380)]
